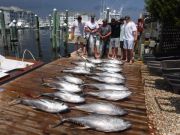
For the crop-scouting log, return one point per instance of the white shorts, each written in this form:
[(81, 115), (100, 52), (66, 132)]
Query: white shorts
[(128, 44), (115, 42)]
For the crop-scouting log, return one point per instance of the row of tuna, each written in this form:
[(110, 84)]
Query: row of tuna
[(71, 89)]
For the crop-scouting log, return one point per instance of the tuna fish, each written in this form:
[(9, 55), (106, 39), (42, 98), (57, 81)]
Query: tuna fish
[(71, 79), (85, 64), (109, 69), (114, 61), (110, 75), (66, 97), (61, 85), (110, 65), (101, 108), (44, 105), (106, 79), (102, 86), (111, 94), (94, 61), (103, 123), (77, 71)]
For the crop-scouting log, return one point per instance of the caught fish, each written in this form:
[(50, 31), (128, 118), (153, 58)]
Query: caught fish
[(77, 71), (71, 79), (101, 108), (107, 79), (44, 105), (65, 96), (110, 75), (112, 95), (109, 69), (85, 64), (110, 65), (114, 61), (94, 61), (103, 123), (102, 86), (61, 85)]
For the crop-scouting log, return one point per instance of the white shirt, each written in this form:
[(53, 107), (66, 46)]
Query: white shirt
[(129, 28), (122, 32), (91, 25), (78, 28)]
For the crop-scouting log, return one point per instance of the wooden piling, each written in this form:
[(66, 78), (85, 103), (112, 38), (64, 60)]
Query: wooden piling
[(13, 32), (66, 34), (54, 28), (37, 27), (107, 14), (50, 26), (3, 29)]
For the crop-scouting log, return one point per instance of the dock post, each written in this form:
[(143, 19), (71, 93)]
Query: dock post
[(107, 14), (50, 26), (54, 29), (66, 34), (37, 27), (3, 30), (13, 32), (58, 31)]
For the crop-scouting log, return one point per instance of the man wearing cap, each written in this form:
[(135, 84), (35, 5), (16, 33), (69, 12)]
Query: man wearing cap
[(78, 33), (91, 28), (130, 38), (104, 34)]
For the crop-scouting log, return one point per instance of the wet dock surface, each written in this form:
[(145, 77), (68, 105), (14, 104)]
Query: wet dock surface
[(23, 120)]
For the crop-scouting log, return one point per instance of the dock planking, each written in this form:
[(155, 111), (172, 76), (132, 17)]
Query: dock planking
[(23, 120)]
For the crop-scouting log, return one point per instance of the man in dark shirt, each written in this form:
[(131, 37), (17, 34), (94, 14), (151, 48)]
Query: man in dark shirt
[(114, 42), (104, 34)]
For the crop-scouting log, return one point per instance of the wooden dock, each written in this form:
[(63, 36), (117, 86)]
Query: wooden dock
[(22, 120)]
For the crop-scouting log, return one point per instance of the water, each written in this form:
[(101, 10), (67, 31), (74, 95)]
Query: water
[(41, 50)]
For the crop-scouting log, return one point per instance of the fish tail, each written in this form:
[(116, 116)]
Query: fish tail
[(60, 123)]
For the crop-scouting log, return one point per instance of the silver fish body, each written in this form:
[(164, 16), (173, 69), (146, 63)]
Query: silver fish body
[(94, 61), (111, 94), (63, 86), (45, 105), (110, 75), (103, 86), (110, 65), (66, 97), (77, 71), (71, 79), (103, 123), (114, 61), (85, 64), (110, 69), (101, 108), (107, 79)]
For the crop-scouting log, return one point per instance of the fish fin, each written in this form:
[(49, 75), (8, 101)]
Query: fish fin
[(15, 102), (84, 127), (58, 124)]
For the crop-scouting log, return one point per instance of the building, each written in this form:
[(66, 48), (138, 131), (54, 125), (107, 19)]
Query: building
[(20, 15)]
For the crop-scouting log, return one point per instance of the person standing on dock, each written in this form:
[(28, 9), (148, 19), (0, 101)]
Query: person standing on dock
[(104, 34), (122, 24), (130, 38), (91, 28), (114, 42), (78, 34)]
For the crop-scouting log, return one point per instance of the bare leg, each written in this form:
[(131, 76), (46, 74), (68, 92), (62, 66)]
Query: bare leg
[(116, 52), (131, 56), (76, 46), (113, 52), (126, 55)]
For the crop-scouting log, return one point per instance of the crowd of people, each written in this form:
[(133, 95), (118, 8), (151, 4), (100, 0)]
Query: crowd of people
[(96, 39)]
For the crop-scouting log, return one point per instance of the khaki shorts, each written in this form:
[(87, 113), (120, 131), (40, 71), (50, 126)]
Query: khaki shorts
[(79, 39)]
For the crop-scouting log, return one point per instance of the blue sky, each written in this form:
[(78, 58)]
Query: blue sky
[(45, 7)]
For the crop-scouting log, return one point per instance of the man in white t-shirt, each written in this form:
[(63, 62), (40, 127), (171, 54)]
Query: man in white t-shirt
[(91, 28), (78, 33), (130, 37)]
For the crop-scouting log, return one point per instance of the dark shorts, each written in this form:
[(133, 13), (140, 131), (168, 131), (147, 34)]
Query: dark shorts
[(121, 44)]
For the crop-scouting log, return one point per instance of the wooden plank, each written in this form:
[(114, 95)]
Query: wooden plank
[(24, 120)]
